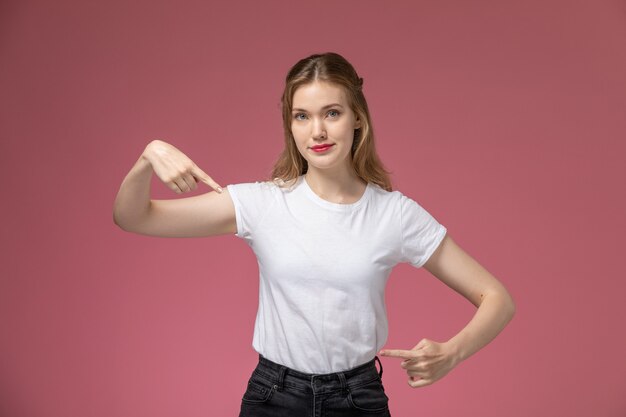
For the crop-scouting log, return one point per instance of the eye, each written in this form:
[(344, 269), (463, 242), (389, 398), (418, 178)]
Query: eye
[(334, 111), (296, 116)]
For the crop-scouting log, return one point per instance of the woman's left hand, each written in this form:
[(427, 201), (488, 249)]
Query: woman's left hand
[(427, 362)]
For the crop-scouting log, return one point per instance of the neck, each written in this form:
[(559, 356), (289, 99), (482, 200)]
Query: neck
[(338, 186)]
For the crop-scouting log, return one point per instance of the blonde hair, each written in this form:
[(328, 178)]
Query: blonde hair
[(335, 69)]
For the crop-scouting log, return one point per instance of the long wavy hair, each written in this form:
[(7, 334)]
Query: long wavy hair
[(333, 68)]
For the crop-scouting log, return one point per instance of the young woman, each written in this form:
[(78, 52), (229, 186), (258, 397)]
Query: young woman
[(327, 230)]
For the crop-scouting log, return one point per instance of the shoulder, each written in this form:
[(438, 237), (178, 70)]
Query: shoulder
[(277, 184), (251, 186), (403, 206), (384, 197), (257, 191)]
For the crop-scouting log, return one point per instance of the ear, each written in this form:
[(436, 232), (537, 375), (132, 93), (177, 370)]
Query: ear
[(357, 123)]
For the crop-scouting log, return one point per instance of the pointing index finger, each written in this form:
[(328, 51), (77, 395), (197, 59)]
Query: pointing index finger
[(399, 353), (205, 178)]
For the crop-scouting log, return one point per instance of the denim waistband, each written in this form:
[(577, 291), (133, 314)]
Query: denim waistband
[(281, 375)]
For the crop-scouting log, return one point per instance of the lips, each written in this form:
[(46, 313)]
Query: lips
[(321, 147)]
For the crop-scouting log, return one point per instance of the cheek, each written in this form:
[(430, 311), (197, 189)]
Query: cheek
[(297, 134)]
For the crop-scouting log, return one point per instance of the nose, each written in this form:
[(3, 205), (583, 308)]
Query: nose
[(318, 129)]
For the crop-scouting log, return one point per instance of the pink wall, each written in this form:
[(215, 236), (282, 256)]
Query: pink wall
[(506, 120)]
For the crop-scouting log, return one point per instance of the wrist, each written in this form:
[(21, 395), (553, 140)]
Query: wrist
[(151, 152), (455, 351), (145, 155)]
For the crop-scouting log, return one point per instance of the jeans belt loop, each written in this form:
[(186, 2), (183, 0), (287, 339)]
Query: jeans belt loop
[(344, 384), (281, 376), (380, 373)]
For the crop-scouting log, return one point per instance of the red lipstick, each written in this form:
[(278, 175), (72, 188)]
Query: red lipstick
[(321, 148)]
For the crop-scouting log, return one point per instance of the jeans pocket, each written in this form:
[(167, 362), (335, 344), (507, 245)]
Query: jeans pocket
[(369, 397), (258, 391)]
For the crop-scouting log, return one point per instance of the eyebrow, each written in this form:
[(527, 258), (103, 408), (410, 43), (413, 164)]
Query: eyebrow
[(325, 107)]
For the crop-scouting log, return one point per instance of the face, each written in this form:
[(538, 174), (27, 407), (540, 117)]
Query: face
[(321, 116)]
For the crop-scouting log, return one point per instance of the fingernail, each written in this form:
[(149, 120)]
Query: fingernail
[(219, 189)]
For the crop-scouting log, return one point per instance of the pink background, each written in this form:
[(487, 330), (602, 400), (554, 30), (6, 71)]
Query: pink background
[(505, 119)]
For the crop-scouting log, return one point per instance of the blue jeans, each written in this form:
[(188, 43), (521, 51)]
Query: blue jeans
[(275, 390)]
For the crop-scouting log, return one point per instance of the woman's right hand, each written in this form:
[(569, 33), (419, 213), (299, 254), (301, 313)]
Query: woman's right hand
[(175, 169)]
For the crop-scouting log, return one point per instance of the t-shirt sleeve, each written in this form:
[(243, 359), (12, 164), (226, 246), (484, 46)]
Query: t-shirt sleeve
[(252, 200), (421, 233)]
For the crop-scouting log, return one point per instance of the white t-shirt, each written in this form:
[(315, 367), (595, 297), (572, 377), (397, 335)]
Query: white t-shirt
[(323, 267)]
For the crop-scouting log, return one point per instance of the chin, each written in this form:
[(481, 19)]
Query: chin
[(329, 166)]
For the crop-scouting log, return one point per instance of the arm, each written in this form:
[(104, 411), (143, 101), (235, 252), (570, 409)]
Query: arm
[(209, 214), (458, 270)]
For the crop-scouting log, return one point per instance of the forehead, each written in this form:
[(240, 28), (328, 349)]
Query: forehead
[(318, 94)]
